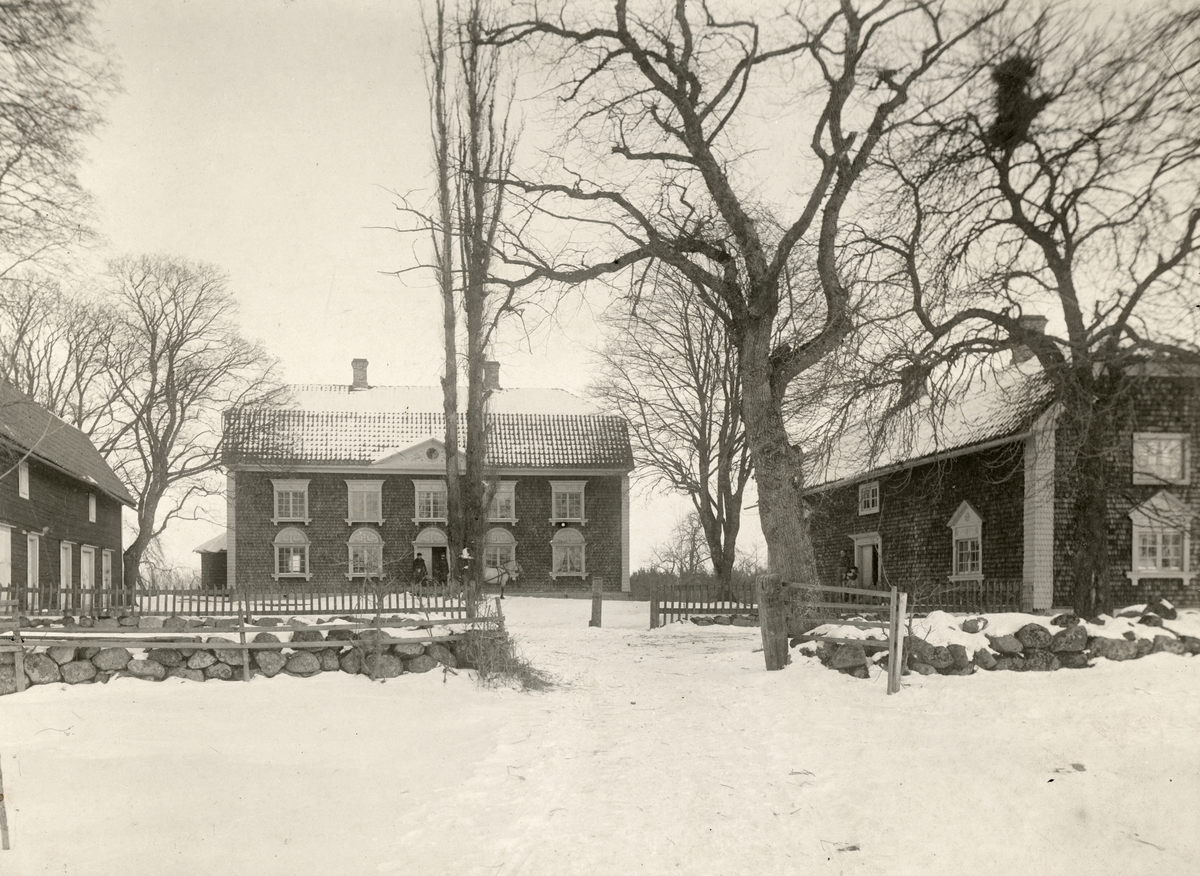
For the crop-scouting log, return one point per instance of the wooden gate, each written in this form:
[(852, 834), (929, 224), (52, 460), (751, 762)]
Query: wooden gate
[(859, 601)]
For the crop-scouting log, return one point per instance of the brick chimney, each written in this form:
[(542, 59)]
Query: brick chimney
[(360, 374), (1030, 323), (491, 376)]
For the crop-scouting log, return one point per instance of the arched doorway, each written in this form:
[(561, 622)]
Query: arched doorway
[(430, 545)]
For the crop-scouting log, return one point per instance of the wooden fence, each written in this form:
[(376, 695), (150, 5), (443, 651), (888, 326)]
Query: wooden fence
[(985, 595), (856, 602), (442, 599), (681, 601)]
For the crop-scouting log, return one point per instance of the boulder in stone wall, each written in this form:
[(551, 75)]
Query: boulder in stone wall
[(1012, 662), (174, 624), (8, 680), (127, 620), (328, 659), (1067, 619), (959, 670), (1071, 639), (201, 660), (974, 625), (308, 636), (383, 665), (923, 669), (442, 655), (1112, 649), (856, 671), (984, 659), (88, 653), (1033, 635), (918, 650), (104, 676), (8, 658), (268, 622), (722, 620), (1073, 659), (743, 620), (150, 623), (1006, 646), (1039, 660), (184, 672), (340, 634), (1191, 644), (702, 620), (151, 669), (367, 638), (1162, 608), (351, 662), (844, 657), (303, 663), (958, 653), (86, 621), (408, 650), (111, 659), (940, 657), (265, 637), (107, 623), (220, 671), (166, 656), (424, 663), (1142, 647), (462, 654), (1150, 620), (1130, 635), (78, 671), (270, 663), (61, 654), (41, 669)]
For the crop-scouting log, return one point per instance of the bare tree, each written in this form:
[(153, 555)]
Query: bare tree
[(684, 554), (1056, 176), (52, 80), (180, 361), (671, 372)]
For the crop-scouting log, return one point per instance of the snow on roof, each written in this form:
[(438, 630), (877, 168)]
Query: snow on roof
[(428, 399), (213, 545)]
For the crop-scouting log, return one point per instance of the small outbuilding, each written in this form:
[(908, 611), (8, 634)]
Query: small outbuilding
[(214, 563)]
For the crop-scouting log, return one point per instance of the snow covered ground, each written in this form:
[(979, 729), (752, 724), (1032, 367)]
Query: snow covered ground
[(666, 751)]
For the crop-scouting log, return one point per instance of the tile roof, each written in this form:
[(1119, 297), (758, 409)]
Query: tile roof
[(30, 427), (994, 406), (361, 437), (407, 399)]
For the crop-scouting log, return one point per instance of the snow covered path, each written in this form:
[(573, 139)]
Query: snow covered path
[(669, 751)]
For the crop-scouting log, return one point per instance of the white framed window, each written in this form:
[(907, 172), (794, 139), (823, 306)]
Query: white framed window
[(291, 554), (23, 478), (430, 501), (364, 502), (1162, 542), (1161, 458), (66, 554), (567, 503), (966, 527), (568, 558), (106, 569), (504, 503), (366, 554), (87, 575), (91, 507), (868, 498), (291, 501), (499, 548)]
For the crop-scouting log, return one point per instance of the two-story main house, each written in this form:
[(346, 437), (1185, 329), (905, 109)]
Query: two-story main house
[(980, 496), (349, 483), (60, 511)]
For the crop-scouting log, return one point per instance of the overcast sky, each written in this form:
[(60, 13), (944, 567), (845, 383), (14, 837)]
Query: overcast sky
[(267, 138)]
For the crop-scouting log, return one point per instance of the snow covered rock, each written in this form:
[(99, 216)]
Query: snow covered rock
[(1150, 620), (939, 657), (408, 650), (1073, 638), (702, 620), (150, 623), (958, 653), (110, 659), (1006, 646), (1064, 620), (984, 659), (265, 637), (1191, 644), (1033, 635), (1112, 649), (442, 655), (174, 624), (310, 636), (127, 620), (61, 654), (41, 669), (974, 625), (150, 669), (383, 665), (1162, 608), (848, 656), (1169, 644)]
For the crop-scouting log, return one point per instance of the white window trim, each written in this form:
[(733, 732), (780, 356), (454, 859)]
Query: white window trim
[(1163, 512), (964, 524), (864, 494), (554, 547), (509, 487), (1185, 451), (66, 573), (6, 532), (23, 478), (290, 486), (569, 487), (91, 507), (276, 544), (361, 486), (351, 544), (420, 487), (33, 568), (106, 568)]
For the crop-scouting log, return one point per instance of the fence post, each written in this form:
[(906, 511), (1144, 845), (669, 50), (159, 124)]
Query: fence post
[(597, 601), (901, 611), (893, 684), (655, 621), (772, 620)]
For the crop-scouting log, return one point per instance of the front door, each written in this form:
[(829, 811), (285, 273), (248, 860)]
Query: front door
[(867, 559), (87, 577)]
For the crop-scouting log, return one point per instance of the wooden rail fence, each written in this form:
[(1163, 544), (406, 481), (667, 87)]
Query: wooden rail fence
[(856, 602), (681, 601)]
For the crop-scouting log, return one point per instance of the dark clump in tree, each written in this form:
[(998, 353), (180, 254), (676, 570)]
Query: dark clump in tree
[(1016, 107)]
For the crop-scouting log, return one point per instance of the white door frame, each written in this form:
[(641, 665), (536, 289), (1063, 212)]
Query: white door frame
[(868, 559)]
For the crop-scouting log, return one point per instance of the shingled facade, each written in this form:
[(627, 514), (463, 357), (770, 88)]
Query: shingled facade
[(985, 498), (350, 483), (60, 511)]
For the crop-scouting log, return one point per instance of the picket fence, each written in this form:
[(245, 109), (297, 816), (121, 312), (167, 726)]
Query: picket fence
[(681, 601)]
